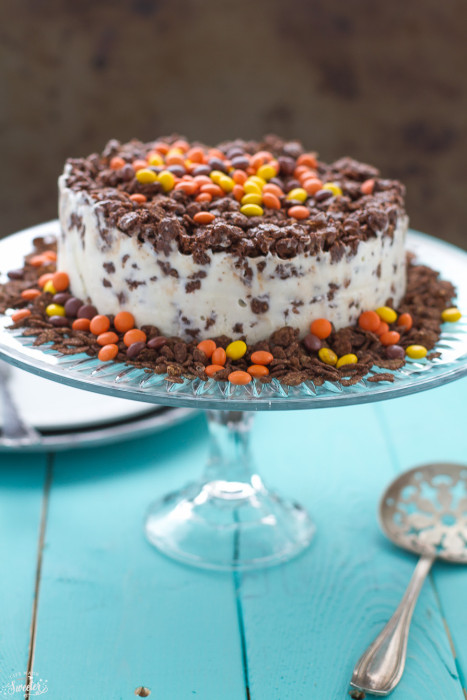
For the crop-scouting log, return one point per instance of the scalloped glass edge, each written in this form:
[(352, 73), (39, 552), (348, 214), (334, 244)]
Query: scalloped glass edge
[(124, 381)]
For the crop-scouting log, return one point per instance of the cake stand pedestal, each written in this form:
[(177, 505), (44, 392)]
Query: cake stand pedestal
[(229, 520)]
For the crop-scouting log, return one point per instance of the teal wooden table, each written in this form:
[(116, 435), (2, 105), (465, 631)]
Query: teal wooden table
[(96, 612)]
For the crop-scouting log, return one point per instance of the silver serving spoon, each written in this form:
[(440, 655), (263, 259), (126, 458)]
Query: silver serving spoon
[(424, 511), (14, 431)]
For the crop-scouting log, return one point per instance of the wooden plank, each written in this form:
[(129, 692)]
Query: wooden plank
[(307, 623), (22, 480), (114, 614), (434, 431)]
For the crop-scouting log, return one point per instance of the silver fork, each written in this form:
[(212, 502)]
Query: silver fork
[(15, 430)]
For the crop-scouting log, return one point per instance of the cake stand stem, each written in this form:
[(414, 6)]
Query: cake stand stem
[(229, 520), (229, 470)]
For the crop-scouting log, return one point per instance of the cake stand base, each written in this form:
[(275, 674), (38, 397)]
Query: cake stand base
[(228, 521)]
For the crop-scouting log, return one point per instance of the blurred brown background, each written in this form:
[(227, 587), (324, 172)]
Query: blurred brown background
[(384, 82)]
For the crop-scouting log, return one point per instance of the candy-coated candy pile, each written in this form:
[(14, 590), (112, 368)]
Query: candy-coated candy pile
[(258, 181)]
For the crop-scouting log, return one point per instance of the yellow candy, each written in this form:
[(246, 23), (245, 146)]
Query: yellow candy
[(259, 180), (387, 314), (449, 315), (349, 359), (252, 198), (236, 349), (251, 187), (55, 310), (216, 175), (167, 180), (266, 172), (49, 287), (252, 210), (155, 159), (226, 183), (174, 152), (416, 352), (298, 193), (333, 187), (146, 176), (328, 356)]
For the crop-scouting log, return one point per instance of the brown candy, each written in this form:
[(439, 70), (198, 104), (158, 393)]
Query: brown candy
[(72, 306), (157, 342), (87, 311), (312, 342)]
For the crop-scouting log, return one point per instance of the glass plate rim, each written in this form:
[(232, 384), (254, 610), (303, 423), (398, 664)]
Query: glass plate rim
[(233, 398)]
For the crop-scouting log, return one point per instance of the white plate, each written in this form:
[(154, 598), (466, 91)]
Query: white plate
[(159, 419), (51, 406)]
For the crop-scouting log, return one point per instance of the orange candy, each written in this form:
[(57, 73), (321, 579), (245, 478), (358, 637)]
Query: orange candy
[(406, 321), (390, 338), (307, 159), (49, 255), (239, 177), (239, 377), (299, 212), (312, 185), (213, 189), (99, 324), (108, 352), (258, 160), (369, 321), (19, 315), (271, 188), (60, 281), (219, 357), (182, 145), (271, 201), (81, 324), (238, 192), (30, 294), (204, 197), (138, 198), (383, 328), (321, 328), (195, 155), (43, 279), (258, 371), (204, 217), (139, 164), (266, 155), (134, 336), (261, 357), (216, 153), (161, 147), (175, 159), (203, 179), (38, 260), (301, 170), (207, 346), (116, 163), (187, 186), (367, 187), (107, 338), (212, 369), (124, 321)]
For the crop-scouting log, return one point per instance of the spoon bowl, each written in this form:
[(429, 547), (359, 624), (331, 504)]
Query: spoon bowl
[(424, 511)]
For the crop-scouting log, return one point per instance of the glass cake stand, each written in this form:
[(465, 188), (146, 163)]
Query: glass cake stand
[(229, 520)]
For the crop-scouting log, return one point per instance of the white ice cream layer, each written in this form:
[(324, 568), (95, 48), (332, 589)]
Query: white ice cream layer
[(119, 272)]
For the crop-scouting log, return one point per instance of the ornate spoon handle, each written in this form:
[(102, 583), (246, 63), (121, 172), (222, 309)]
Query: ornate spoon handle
[(380, 668)]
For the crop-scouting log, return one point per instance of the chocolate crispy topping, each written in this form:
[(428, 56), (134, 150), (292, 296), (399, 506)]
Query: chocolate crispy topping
[(166, 219)]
